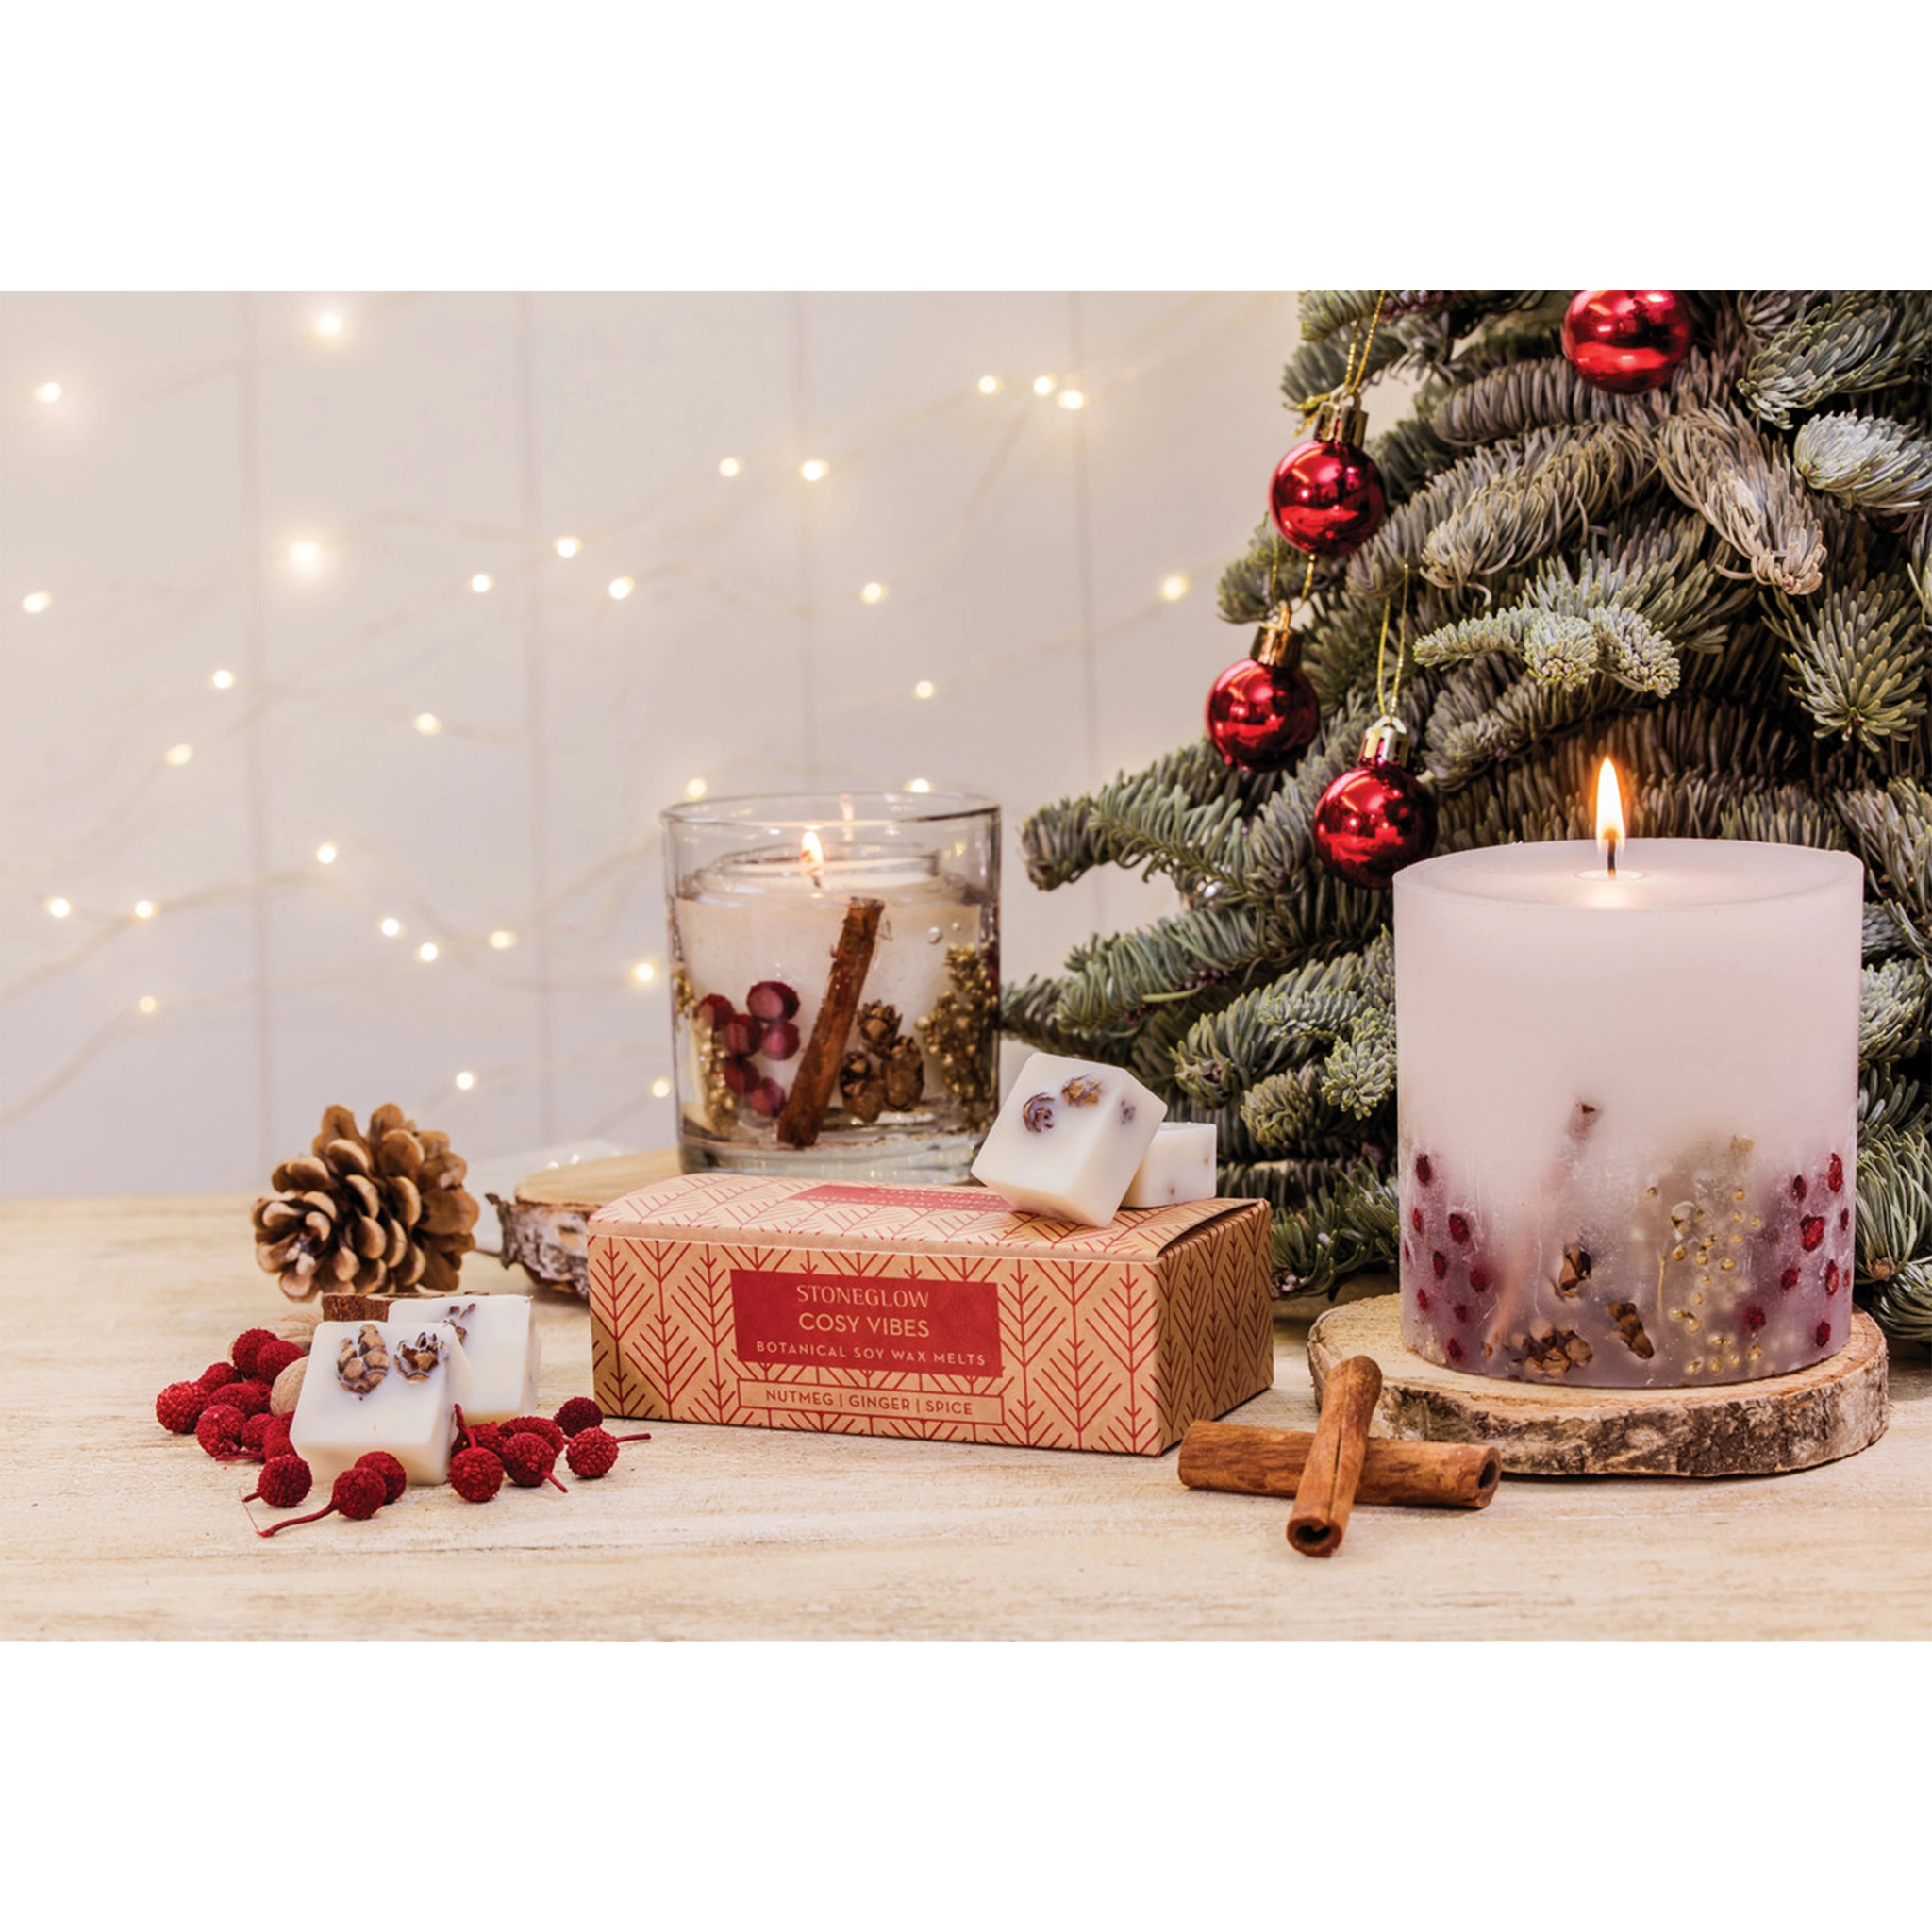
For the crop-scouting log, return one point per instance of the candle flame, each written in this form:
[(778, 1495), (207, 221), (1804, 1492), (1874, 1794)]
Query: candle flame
[(813, 856), (1610, 814)]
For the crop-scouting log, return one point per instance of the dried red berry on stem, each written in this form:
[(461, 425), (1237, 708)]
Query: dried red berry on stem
[(218, 1431), (273, 1356), (246, 1350), (284, 1482), (535, 1426), (218, 1375), (475, 1474), (579, 1412), (395, 1478), (715, 1011), (179, 1406), (528, 1460), (356, 1494), (591, 1453)]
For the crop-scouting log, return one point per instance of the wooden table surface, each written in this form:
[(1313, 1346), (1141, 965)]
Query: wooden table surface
[(111, 1529)]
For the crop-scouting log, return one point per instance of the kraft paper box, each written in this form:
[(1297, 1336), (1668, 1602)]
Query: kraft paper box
[(925, 1311)]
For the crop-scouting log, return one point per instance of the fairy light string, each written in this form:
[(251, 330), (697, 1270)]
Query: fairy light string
[(368, 881)]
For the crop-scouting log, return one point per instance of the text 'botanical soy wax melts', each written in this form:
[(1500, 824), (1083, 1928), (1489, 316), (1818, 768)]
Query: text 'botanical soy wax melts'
[(1178, 1167), (1070, 1138), (381, 1385), (501, 1344)]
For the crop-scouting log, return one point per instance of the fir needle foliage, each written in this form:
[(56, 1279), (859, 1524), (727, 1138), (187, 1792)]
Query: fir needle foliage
[(1726, 583)]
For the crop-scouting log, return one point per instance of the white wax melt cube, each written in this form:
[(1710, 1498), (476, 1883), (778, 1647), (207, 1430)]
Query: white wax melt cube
[(501, 1346), (1069, 1139), (380, 1385), (1178, 1167)]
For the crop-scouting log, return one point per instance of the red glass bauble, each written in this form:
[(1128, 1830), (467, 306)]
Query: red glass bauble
[(1260, 716), (1627, 340), (1326, 497), (1373, 820)]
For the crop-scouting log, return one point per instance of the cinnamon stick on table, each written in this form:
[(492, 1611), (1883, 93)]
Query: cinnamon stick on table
[(818, 1065), (1270, 1463), (1335, 1459)]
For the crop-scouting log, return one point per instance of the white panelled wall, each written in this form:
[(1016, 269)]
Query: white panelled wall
[(290, 652)]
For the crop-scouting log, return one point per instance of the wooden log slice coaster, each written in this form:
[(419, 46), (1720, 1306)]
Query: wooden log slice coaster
[(1833, 1409), (546, 1226)]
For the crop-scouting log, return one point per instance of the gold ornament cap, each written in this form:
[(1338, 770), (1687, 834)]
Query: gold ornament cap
[(1275, 645), (1343, 419), (1386, 743)]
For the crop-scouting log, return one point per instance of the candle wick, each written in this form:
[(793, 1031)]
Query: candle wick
[(1611, 841)]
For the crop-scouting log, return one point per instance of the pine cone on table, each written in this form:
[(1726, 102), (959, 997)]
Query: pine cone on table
[(360, 1212)]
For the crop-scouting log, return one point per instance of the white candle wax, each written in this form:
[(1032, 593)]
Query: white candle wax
[(1628, 1108), (770, 915)]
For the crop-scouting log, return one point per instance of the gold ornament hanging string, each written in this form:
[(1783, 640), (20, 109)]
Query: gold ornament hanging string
[(1386, 698)]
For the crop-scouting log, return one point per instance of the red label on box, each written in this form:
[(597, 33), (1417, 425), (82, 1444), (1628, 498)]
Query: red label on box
[(948, 1200), (889, 1323)]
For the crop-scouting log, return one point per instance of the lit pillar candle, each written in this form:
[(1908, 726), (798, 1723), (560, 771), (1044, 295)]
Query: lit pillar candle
[(1628, 1108)]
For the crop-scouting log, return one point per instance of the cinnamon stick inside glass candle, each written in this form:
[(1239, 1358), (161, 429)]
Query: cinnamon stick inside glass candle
[(818, 1066)]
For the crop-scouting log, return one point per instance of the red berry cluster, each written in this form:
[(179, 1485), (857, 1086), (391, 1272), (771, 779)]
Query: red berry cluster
[(225, 1408), (526, 1447), (765, 1028)]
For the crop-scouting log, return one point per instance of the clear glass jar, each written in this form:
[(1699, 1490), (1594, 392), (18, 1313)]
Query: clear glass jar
[(835, 982)]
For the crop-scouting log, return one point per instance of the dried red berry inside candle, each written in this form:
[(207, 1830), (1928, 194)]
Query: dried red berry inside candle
[(1439, 1262), (1462, 1312), (771, 999), (1453, 1349), (1478, 1278), (1844, 1218), (1425, 1172), (591, 1453), (780, 1040), (284, 1482), (218, 1375), (1821, 1334), (1812, 1231), (475, 1474), (767, 1098), (529, 1459), (1835, 1175), (1422, 1299), (741, 1076), (1789, 1280), (356, 1494), (741, 1034), (218, 1431), (178, 1407), (1415, 1219), (1459, 1229), (395, 1478), (1831, 1278), (577, 1414), (246, 1350), (250, 1397), (1752, 1315), (540, 1425), (273, 1356), (715, 1011), (1798, 1189)]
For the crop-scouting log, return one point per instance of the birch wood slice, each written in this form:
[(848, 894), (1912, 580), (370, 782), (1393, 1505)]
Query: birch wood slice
[(546, 1225), (1833, 1409)]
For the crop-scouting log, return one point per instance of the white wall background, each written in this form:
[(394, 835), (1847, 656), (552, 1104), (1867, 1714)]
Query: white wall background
[(197, 439)]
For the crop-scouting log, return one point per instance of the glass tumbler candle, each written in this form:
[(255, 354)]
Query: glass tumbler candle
[(835, 982)]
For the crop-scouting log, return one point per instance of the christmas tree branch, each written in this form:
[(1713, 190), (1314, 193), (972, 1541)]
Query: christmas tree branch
[(1859, 340), (1744, 488), (1894, 1263), (1892, 831), (1872, 462)]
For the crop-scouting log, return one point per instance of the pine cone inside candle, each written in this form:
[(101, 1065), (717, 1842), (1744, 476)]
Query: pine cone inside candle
[(360, 1212), (885, 1068)]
